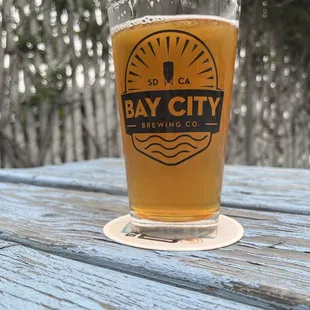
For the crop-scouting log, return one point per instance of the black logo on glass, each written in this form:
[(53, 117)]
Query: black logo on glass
[(172, 104)]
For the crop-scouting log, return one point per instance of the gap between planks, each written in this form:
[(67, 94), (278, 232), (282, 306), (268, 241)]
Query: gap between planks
[(227, 299), (31, 279), (151, 282)]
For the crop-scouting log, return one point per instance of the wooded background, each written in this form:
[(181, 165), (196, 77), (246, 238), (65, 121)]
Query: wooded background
[(57, 93)]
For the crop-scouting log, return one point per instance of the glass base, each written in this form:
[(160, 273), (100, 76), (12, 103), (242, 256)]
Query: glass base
[(175, 230)]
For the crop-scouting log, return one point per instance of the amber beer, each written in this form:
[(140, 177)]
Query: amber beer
[(174, 85)]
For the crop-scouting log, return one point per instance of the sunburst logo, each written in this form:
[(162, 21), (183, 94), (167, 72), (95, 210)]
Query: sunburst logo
[(172, 105)]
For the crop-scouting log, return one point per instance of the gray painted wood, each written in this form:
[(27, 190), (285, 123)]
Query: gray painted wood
[(30, 279), (102, 175), (255, 188), (269, 268)]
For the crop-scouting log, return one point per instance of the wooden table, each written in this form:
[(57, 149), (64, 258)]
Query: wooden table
[(53, 253)]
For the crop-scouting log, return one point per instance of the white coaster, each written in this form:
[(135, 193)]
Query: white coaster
[(229, 231)]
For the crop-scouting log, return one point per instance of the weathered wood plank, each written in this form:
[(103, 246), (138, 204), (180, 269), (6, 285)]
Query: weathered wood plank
[(30, 279), (103, 175), (256, 188), (269, 189), (269, 268)]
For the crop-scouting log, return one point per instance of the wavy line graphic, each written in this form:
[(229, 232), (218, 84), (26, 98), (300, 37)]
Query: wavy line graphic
[(170, 148), (166, 140), (167, 156)]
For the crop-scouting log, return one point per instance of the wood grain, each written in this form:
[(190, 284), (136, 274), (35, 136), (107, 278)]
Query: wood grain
[(269, 268), (30, 279), (255, 188), (103, 175)]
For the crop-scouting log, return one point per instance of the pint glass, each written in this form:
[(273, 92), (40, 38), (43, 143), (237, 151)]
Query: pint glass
[(174, 66)]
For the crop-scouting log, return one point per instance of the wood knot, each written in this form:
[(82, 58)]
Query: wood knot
[(50, 215)]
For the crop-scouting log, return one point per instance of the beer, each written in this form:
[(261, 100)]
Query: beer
[(174, 85)]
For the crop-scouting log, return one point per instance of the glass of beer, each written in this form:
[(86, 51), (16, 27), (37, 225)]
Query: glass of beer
[(174, 67)]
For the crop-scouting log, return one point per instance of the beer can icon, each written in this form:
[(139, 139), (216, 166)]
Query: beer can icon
[(168, 68)]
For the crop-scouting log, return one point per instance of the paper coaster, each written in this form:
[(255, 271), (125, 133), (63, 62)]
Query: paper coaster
[(229, 231)]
